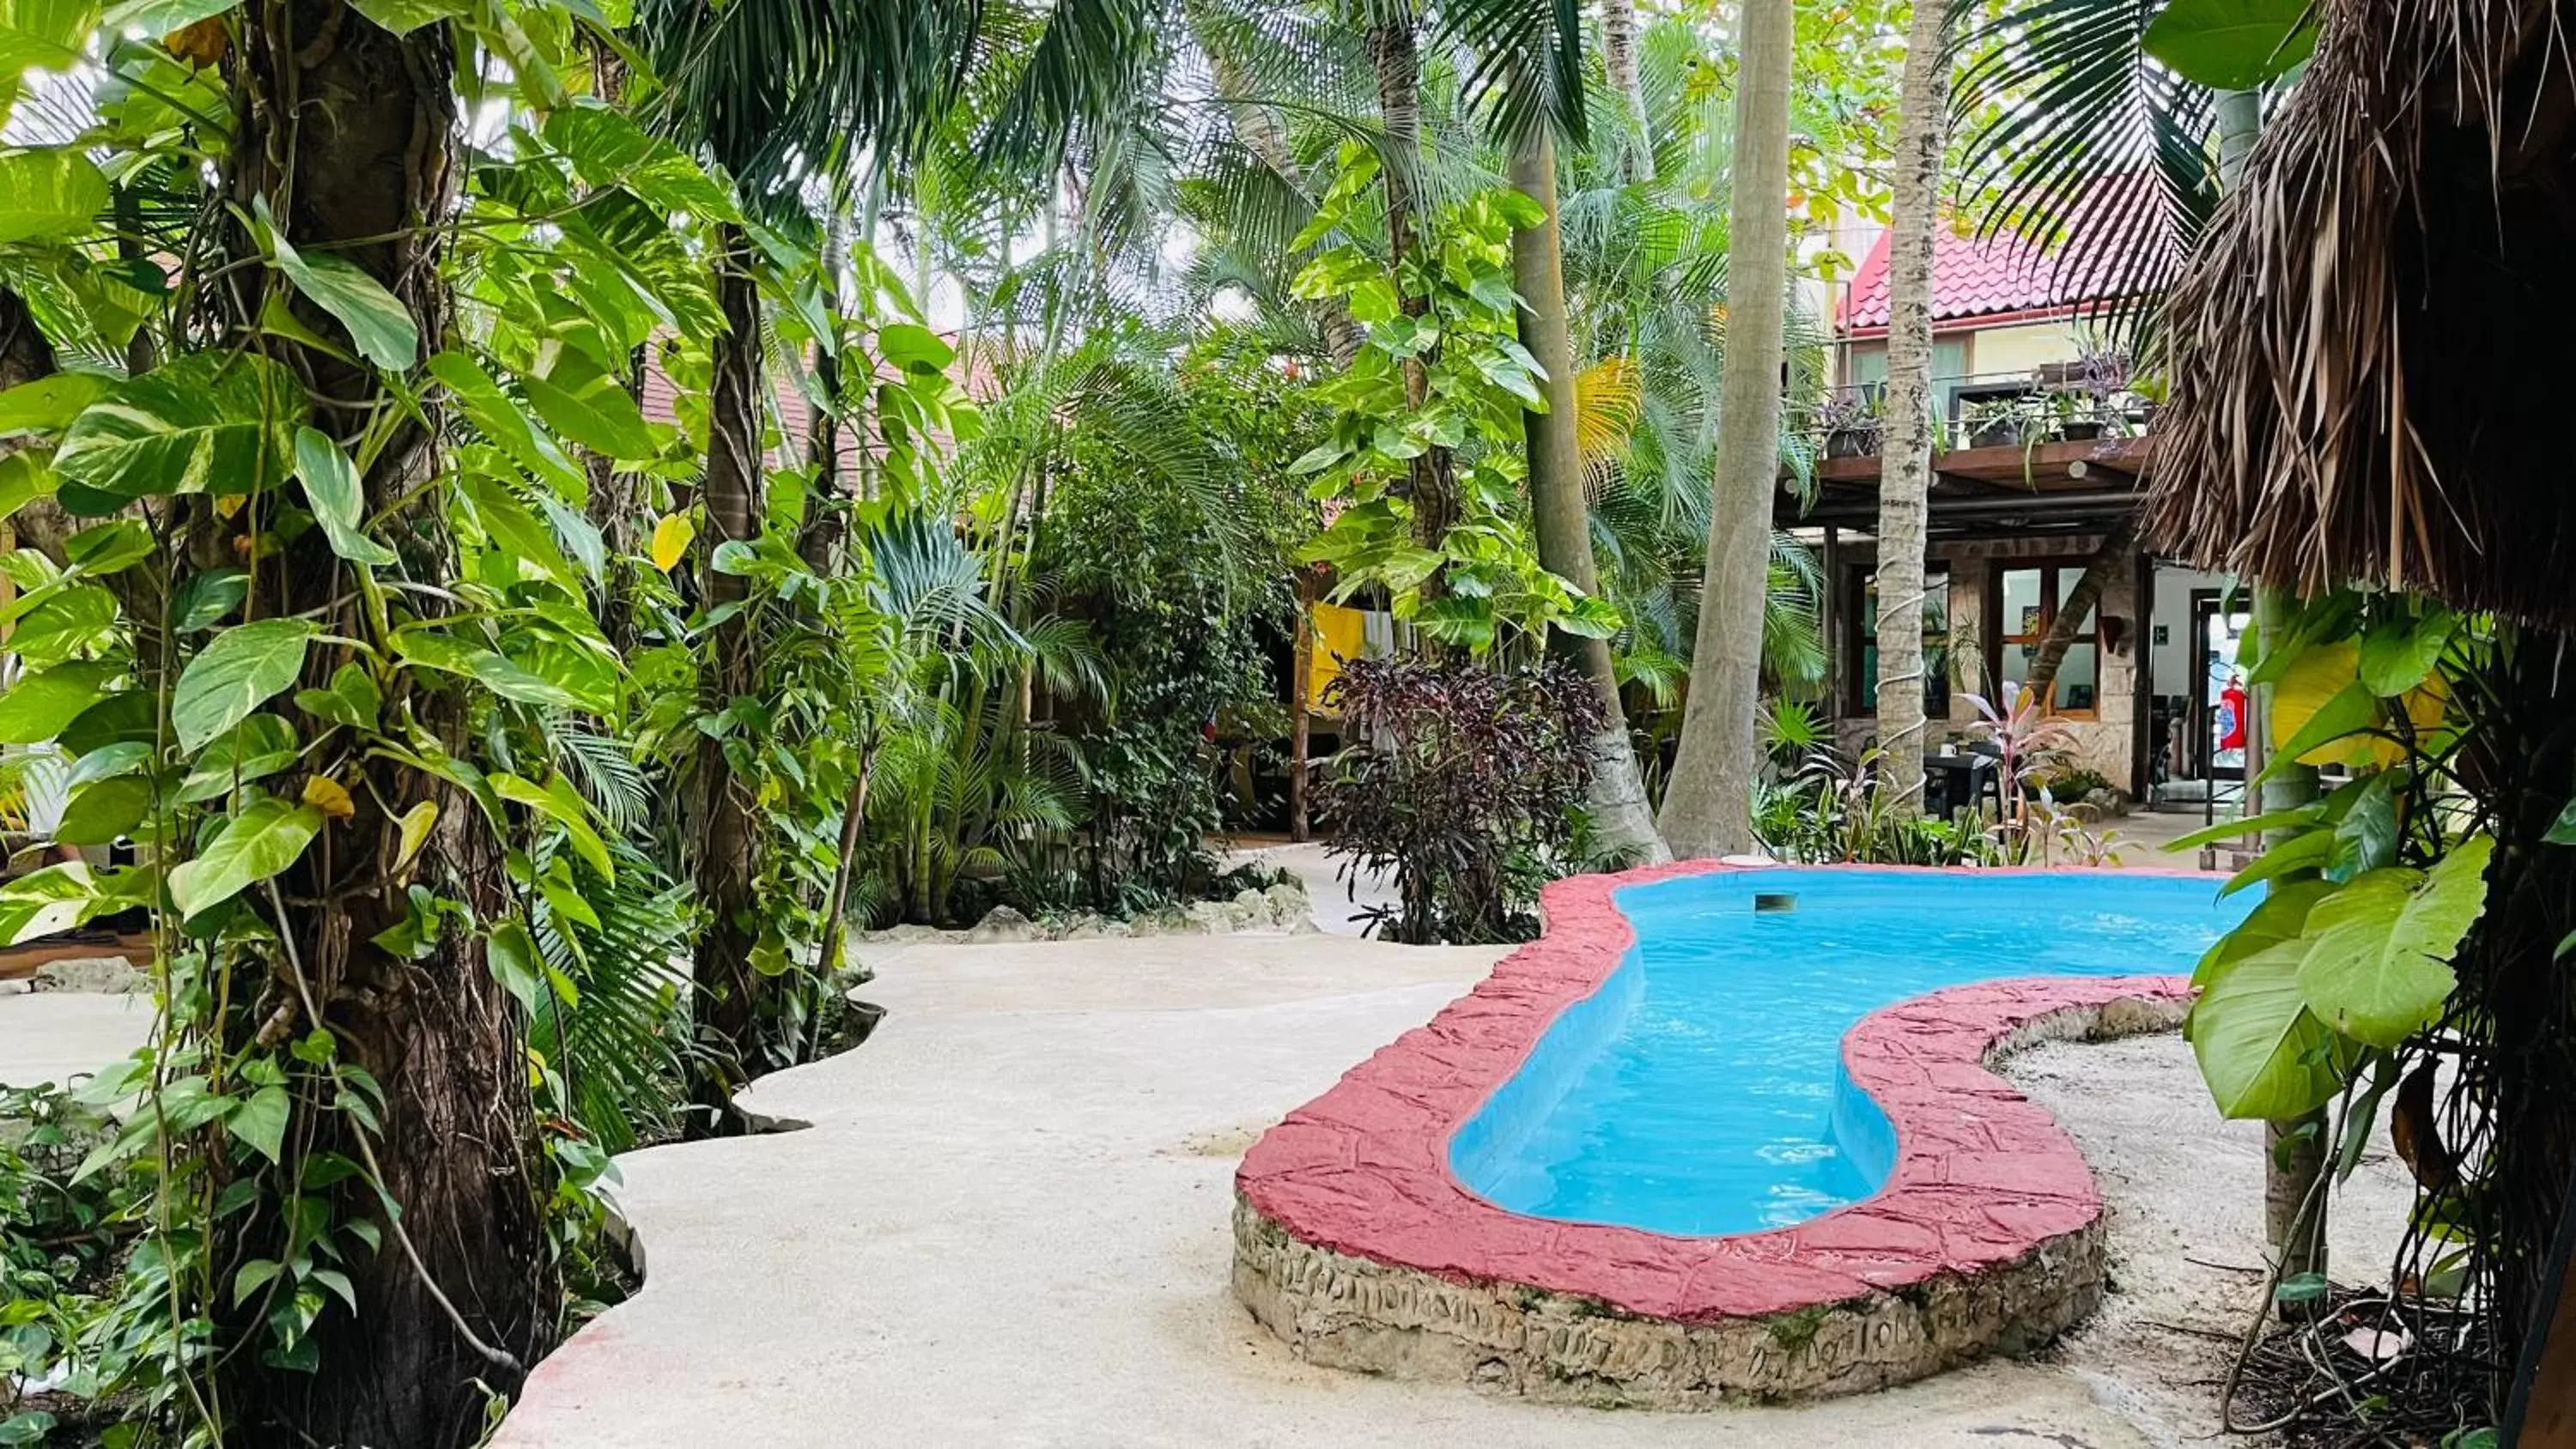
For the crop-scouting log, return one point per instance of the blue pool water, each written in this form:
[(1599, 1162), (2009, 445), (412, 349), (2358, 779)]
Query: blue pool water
[(1700, 1090)]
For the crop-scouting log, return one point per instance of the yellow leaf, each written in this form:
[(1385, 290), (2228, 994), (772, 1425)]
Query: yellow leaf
[(328, 796), (415, 825), (2323, 672), (671, 539), (1607, 396), (201, 45)]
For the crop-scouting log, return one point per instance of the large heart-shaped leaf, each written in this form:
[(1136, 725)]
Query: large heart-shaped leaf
[(243, 668), (40, 705), (49, 192), (266, 837), (2262, 1053), (2378, 961), (2396, 654), (2232, 45), (200, 424)]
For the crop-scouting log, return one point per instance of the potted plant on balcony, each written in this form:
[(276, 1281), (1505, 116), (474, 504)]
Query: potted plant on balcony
[(1993, 422), (1850, 422), (2100, 383)]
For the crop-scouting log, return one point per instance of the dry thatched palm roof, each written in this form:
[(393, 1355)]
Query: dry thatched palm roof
[(2375, 346)]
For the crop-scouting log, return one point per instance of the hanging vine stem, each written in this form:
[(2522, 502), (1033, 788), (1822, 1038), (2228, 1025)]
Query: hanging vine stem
[(499, 1357)]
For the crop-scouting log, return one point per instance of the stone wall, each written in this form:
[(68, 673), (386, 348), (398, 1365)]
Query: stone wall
[(2111, 740)]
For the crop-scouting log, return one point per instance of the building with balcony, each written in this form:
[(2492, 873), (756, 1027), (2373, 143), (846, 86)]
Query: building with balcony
[(2041, 437)]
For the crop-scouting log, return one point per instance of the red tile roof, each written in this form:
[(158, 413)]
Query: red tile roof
[(2003, 276)]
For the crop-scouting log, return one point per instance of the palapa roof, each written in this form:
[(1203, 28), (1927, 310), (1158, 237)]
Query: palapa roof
[(2370, 376)]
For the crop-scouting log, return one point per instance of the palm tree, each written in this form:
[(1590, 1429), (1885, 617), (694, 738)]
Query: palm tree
[(1708, 804), (1556, 480), (1905, 468)]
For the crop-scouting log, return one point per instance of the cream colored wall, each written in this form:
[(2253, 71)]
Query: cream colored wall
[(1997, 350)]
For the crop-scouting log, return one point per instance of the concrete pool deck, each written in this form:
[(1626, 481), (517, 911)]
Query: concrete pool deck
[(1008, 1225)]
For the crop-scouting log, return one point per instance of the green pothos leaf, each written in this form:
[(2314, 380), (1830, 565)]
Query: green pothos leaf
[(377, 320), (41, 902), (511, 953), (243, 668), (260, 1121), (338, 499), (264, 838), (202, 423), (41, 705)]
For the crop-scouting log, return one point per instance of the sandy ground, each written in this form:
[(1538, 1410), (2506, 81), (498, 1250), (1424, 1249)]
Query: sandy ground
[(2185, 1194), (1008, 1226)]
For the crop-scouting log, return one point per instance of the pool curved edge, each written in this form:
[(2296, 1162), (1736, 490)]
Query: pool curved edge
[(1356, 1245)]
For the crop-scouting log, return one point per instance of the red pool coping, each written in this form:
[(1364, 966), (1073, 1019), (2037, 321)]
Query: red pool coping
[(1984, 1177)]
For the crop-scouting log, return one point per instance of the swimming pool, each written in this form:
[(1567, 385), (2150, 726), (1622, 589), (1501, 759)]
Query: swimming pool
[(1678, 1153), (1700, 1090)]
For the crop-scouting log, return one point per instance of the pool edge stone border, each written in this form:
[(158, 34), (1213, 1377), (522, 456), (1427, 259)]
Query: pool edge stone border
[(1356, 1246)]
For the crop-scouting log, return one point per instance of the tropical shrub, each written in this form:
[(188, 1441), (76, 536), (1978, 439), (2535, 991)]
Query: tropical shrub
[(1462, 782), (1826, 812)]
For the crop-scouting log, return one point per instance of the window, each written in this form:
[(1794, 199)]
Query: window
[(2025, 604), (1860, 625)]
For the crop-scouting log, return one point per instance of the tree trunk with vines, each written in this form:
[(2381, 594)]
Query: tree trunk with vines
[(1394, 49), (1905, 455), (725, 1000), (350, 133)]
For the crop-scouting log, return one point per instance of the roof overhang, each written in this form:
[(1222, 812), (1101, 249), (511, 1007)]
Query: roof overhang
[(2015, 491)]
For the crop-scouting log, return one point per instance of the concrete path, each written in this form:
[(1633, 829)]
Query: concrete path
[(1008, 1226), (52, 1036)]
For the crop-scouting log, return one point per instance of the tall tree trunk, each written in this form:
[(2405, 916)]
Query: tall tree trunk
[(1433, 487), (350, 133), (1618, 797), (2078, 605), (1619, 66), (1905, 455), (1709, 800), (2293, 1169), (725, 995)]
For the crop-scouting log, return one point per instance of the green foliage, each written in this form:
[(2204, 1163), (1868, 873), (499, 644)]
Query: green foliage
[(2233, 45), (1482, 587), (2372, 890), (1462, 783)]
